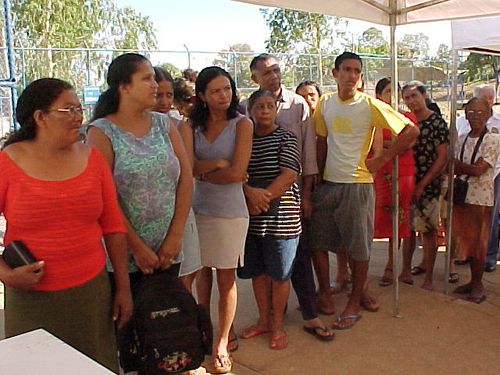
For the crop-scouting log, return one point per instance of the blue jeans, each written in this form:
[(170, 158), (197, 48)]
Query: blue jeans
[(270, 255), (492, 252)]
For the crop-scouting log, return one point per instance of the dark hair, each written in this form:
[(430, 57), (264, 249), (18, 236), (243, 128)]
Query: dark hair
[(190, 74), (308, 83), (200, 113), (480, 100), (182, 91), (162, 75), (38, 95), (381, 85), (346, 56), (120, 72), (415, 84), (259, 58), (258, 94)]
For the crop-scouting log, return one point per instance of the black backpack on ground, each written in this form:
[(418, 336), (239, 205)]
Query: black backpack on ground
[(173, 332)]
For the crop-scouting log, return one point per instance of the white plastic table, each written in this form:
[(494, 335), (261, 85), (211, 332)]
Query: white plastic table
[(40, 353)]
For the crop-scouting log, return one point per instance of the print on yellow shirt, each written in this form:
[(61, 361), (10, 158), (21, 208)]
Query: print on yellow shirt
[(342, 125)]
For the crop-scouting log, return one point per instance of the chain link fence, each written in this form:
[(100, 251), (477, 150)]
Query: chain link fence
[(86, 68)]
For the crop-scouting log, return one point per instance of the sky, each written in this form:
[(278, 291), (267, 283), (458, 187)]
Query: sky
[(213, 25)]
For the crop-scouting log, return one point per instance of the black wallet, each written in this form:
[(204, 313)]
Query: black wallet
[(17, 254)]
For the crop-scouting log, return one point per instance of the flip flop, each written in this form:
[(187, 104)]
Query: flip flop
[(417, 270), (254, 331), (279, 342), (353, 319), (477, 299), (385, 281), (369, 304), (222, 364), (453, 277), (463, 289), (232, 344), (314, 331)]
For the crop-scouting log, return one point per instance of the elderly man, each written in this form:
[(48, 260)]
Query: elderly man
[(293, 114), (493, 124)]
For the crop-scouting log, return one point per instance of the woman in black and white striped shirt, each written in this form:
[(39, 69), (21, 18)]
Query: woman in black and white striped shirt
[(273, 200)]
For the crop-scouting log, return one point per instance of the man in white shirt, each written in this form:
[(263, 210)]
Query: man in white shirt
[(493, 124)]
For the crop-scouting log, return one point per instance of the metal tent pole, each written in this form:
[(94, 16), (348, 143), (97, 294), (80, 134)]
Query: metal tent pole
[(395, 172), (451, 172)]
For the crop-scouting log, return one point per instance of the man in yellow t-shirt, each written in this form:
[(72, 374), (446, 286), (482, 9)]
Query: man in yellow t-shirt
[(342, 218)]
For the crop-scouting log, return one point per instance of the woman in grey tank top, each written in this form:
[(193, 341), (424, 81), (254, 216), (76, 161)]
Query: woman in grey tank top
[(220, 142)]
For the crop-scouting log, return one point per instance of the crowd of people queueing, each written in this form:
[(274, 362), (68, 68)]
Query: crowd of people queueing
[(280, 180)]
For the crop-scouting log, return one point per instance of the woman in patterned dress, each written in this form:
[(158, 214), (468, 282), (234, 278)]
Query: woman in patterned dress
[(151, 172), (471, 221)]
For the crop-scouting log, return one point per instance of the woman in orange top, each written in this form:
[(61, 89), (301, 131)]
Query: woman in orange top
[(58, 197)]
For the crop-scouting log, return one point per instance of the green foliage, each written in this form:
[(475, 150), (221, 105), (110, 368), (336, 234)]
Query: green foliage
[(236, 61), (172, 69), (372, 42), (53, 24), (414, 46), (481, 67)]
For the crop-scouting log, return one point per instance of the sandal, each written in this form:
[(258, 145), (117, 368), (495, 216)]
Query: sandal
[(369, 303), (222, 364), (477, 299), (346, 322), (279, 342), (254, 331), (463, 289), (453, 277), (315, 331), (417, 270), (232, 344), (385, 281)]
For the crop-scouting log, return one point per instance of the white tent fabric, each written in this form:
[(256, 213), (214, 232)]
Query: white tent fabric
[(377, 11), (478, 35)]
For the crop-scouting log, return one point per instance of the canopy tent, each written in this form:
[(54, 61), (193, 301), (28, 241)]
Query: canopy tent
[(394, 13), (476, 35), (379, 11)]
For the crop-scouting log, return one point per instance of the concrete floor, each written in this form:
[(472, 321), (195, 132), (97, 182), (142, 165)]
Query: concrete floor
[(434, 333)]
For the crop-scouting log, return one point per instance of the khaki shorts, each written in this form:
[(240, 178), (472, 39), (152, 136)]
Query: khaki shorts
[(343, 218)]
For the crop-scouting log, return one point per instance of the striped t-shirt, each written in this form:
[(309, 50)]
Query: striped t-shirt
[(270, 153)]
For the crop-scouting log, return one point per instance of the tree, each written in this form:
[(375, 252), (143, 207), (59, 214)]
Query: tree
[(172, 69), (414, 46), (52, 24), (372, 42), (482, 67), (295, 32), (236, 61)]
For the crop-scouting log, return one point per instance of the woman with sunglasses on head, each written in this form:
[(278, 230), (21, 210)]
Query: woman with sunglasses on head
[(191, 262), (151, 171), (220, 144), (58, 198)]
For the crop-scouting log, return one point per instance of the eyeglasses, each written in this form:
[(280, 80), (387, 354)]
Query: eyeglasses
[(472, 113), (73, 111)]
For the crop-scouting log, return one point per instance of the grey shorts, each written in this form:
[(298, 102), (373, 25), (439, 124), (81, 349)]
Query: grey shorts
[(343, 217)]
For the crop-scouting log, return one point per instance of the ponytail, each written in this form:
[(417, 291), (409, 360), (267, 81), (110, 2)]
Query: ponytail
[(107, 104)]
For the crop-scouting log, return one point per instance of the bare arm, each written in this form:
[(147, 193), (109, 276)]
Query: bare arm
[(237, 171), (198, 167), (321, 150), (171, 245), (404, 140), (477, 169), (434, 172), (116, 246), (145, 258)]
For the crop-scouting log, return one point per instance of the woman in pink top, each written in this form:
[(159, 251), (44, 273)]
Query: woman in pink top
[(58, 197)]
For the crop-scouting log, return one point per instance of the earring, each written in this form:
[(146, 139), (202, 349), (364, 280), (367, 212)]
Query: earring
[(204, 105)]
